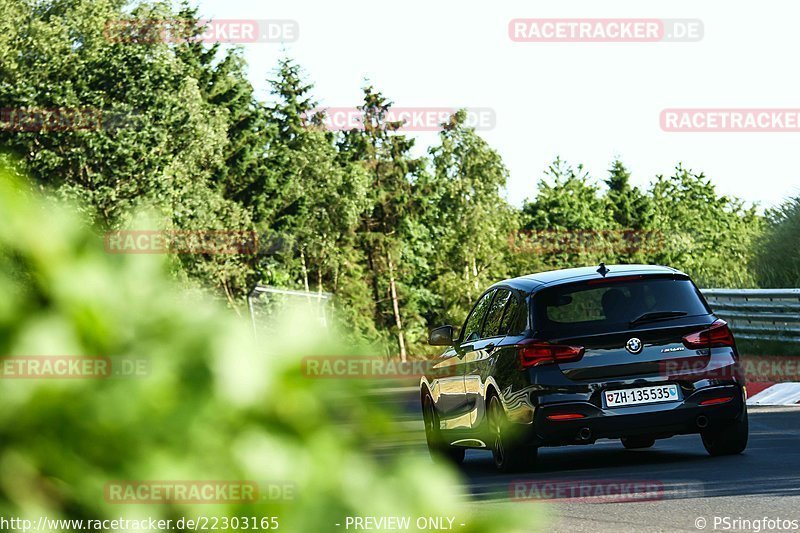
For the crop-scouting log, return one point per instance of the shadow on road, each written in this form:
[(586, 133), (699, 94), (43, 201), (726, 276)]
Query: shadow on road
[(770, 465)]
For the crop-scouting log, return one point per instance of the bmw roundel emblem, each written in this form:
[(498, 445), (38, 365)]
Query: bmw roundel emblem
[(634, 345)]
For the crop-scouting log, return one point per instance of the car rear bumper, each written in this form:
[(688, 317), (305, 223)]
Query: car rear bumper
[(657, 420)]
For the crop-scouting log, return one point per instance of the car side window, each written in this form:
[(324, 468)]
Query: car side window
[(515, 317), (472, 327), (495, 314)]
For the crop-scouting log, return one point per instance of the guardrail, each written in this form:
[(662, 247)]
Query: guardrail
[(265, 292), (758, 314)]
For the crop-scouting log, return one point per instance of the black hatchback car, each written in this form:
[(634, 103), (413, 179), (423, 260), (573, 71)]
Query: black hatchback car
[(630, 352)]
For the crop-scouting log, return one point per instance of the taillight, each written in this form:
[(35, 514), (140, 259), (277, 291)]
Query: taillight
[(716, 336), (535, 353)]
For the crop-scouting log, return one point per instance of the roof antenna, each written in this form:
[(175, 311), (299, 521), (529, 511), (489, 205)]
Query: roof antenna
[(603, 270)]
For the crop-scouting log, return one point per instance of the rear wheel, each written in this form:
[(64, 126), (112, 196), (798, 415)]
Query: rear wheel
[(729, 440), (635, 443), (508, 455), (439, 449)]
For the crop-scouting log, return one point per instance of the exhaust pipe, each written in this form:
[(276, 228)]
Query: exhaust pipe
[(585, 434), (702, 421)]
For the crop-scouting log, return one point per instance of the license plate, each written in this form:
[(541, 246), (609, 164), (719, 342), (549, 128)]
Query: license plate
[(640, 396)]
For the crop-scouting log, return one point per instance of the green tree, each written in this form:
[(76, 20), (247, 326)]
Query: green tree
[(391, 169), (629, 205), (154, 138), (223, 83), (777, 258), (467, 217), (566, 199), (632, 212), (311, 200), (709, 236), (567, 222)]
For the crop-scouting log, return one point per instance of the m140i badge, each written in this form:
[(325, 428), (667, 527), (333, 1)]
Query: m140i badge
[(676, 349), (634, 345)]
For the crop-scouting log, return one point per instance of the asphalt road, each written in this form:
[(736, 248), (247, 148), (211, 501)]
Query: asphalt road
[(764, 482)]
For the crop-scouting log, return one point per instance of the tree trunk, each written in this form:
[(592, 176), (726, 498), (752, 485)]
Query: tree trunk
[(305, 270), (376, 293), (336, 278), (229, 295), (466, 282), (396, 308), (305, 276), (475, 274)]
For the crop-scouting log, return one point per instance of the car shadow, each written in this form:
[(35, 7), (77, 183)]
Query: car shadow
[(770, 466)]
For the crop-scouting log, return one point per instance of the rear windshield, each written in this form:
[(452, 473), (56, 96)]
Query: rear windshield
[(598, 306)]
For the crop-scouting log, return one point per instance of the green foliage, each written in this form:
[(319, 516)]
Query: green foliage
[(308, 195), (391, 170), (213, 405), (404, 243), (162, 136), (710, 237), (468, 220), (566, 223), (777, 257), (680, 221), (630, 208), (571, 201)]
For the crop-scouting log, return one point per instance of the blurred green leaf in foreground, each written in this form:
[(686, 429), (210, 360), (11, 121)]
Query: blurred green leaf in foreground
[(213, 405)]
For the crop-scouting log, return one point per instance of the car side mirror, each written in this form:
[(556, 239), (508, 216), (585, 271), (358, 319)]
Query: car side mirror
[(441, 336)]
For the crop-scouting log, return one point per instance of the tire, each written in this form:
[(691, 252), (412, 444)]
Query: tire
[(508, 456), (637, 443), (730, 440), (440, 451)]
